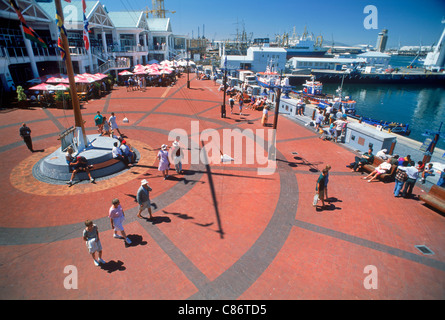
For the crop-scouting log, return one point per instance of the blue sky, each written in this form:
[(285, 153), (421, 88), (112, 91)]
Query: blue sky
[(408, 21)]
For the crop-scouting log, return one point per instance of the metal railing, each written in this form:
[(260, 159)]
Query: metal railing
[(113, 64)]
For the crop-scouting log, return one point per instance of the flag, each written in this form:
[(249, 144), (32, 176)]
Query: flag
[(86, 38), (60, 25), (62, 51), (30, 34)]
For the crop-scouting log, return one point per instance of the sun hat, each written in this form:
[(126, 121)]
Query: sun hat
[(164, 146), (144, 182)]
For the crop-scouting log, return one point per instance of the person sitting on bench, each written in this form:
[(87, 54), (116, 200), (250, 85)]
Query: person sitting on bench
[(117, 154), (366, 158), (384, 167), (81, 164)]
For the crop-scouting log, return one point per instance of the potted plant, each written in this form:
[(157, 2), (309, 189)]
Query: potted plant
[(21, 97), (63, 99)]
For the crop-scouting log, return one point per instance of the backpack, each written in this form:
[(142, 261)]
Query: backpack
[(401, 175), (82, 159)]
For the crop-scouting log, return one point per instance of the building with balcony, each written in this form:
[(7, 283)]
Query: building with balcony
[(118, 40)]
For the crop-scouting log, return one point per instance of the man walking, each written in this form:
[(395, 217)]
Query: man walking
[(25, 133), (320, 187), (143, 199)]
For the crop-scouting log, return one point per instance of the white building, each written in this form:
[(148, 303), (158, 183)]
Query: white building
[(376, 59), (118, 40), (322, 63), (257, 59)]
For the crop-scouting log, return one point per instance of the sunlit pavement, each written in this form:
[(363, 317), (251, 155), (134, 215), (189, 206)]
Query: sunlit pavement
[(222, 231)]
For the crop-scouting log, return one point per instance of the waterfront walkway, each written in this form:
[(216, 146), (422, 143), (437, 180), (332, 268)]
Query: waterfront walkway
[(221, 231)]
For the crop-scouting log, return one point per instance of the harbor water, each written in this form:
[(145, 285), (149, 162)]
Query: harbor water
[(420, 106)]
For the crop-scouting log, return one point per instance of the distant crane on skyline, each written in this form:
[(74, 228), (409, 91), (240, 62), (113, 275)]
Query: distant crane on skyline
[(158, 9)]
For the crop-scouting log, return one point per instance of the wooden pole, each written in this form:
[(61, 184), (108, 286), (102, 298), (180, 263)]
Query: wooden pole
[(70, 72)]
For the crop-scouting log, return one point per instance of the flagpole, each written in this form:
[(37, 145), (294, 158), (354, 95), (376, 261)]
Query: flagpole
[(69, 69)]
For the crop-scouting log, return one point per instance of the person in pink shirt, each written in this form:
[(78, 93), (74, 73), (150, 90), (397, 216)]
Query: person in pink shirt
[(117, 217)]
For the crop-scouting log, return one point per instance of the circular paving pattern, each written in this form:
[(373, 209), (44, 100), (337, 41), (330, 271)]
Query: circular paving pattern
[(23, 178)]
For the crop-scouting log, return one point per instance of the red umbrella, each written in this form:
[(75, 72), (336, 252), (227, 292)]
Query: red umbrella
[(49, 87), (125, 73), (58, 80), (154, 73), (101, 76)]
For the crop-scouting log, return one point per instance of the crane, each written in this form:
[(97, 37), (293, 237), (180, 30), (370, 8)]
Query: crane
[(158, 9)]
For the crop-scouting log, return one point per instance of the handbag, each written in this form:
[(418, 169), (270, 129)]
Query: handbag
[(316, 197)]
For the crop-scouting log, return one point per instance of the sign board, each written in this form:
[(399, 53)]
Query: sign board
[(67, 138), (426, 144)]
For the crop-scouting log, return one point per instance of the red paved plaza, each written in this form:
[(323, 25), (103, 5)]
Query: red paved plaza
[(258, 238)]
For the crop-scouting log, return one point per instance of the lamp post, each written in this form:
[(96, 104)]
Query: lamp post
[(188, 71), (223, 106), (272, 148)]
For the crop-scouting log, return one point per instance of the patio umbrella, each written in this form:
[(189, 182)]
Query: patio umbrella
[(166, 63), (58, 80), (166, 71), (125, 73), (35, 81), (50, 87), (154, 73), (85, 79), (100, 76)]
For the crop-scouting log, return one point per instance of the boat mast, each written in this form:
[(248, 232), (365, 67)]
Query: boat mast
[(82, 139)]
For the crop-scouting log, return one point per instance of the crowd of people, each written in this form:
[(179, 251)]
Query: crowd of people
[(406, 174), (330, 123), (141, 82)]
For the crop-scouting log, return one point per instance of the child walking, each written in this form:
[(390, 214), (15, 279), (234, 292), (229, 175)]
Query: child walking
[(91, 238)]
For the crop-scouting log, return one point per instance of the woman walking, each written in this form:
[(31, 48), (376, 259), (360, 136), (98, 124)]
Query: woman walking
[(163, 161), (265, 116)]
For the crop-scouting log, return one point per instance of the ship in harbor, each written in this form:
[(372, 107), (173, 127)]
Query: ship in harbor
[(305, 46), (313, 93)]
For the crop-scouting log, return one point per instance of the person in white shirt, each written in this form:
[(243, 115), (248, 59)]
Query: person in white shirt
[(413, 174), (117, 154), (382, 154), (113, 124)]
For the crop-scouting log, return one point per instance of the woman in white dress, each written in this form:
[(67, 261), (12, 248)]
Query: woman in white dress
[(164, 163)]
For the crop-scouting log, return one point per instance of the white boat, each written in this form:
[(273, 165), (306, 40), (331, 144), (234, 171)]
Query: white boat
[(305, 46), (268, 78)]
